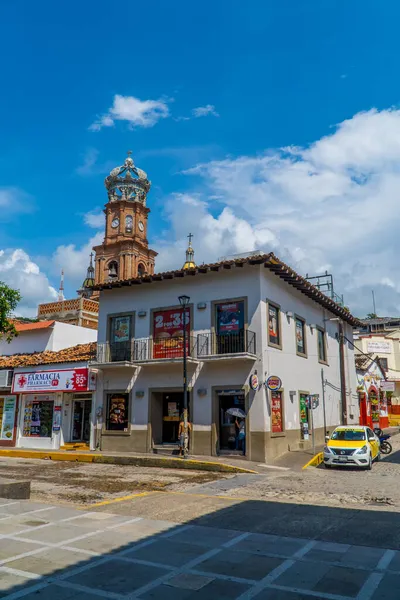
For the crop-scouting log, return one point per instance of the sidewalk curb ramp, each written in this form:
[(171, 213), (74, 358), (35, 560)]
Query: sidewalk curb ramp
[(136, 461), (315, 461)]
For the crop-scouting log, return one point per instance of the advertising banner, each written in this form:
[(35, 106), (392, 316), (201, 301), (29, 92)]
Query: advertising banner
[(168, 333), (8, 418), (67, 380), (379, 347), (276, 412), (229, 317)]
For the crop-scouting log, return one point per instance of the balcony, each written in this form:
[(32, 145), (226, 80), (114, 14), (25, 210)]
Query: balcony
[(116, 354), (226, 346), (201, 347)]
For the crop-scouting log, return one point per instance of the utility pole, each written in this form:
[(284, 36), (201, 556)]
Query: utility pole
[(373, 301), (323, 399), (342, 375)]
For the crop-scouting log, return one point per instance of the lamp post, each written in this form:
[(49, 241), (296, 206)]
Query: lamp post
[(184, 301)]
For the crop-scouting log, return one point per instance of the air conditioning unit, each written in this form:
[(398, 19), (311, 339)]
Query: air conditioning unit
[(6, 378)]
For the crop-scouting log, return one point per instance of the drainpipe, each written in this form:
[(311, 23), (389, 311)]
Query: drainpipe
[(342, 375)]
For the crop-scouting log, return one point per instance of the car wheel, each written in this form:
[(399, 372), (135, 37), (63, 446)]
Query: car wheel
[(369, 466), (378, 457)]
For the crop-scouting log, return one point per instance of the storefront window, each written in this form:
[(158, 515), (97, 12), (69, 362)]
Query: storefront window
[(117, 412), (229, 320), (321, 345), (7, 416), (274, 333), (304, 422), (277, 412), (38, 416), (300, 337)]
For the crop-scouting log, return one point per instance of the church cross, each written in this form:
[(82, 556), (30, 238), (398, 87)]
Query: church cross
[(190, 238)]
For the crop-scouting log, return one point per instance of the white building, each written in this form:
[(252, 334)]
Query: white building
[(249, 316)]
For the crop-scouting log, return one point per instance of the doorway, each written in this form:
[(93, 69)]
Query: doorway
[(81, 420), (172, 408), (229, 442)]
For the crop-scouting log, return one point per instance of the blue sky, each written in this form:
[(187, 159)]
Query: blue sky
[(319, 78)]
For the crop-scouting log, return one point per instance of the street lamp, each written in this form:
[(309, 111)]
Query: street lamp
[(184, 301)]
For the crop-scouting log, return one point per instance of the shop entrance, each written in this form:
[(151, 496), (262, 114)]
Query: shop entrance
[(232, 427), (172, 409), (81, 420), (166, 408)]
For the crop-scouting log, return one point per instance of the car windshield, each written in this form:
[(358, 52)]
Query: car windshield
[(348, 435)]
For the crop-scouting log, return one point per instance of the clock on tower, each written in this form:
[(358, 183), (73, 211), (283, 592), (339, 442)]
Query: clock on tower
[(125, 253)]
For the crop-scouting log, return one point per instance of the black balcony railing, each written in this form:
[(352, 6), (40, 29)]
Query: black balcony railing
[(115, 352), (203, 344), (209, 344), (161, 348)]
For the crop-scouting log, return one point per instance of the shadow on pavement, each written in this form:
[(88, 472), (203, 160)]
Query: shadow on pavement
[(249, 549)]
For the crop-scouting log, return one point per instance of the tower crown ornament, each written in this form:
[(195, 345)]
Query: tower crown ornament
[(127, 182)]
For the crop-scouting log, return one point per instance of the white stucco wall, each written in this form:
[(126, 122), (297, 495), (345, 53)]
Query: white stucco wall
[(256, 284), (66, 335), (28, 342), (57, 337)]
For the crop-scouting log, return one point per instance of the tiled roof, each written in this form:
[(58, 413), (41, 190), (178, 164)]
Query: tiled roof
[(32, 326), (79, 353), (362, 361), (270, 261)]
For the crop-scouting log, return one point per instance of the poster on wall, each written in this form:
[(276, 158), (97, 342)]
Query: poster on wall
[(276, 412), (230, 317), (65, 380), (300, 336), (168, 333), (57, 418), (121, 329), (8, 417), (273, 325)]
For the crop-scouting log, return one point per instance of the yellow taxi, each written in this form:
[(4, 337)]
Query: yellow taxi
[(352, 446)]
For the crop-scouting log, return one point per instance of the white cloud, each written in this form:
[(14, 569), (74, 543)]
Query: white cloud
[(19, 272), (89, 161), (95, 219), (138, 113), (332, 205), (75, 260), (14, 200), (204, 111)]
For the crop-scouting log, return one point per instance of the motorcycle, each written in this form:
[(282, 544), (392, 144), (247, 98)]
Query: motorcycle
[(386, 447)]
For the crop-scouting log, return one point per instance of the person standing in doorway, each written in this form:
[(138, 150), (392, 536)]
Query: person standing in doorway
[(240, 425)]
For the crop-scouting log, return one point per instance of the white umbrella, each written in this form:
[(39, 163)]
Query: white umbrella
[(236, 412)]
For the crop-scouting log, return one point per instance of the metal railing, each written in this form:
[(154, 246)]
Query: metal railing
[(203, 344), (114, 352), (240, 342)]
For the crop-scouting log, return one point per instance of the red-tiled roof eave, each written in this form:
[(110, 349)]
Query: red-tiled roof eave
[(270, 261), (79, 353)]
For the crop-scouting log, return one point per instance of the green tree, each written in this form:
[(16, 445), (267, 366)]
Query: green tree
[(9, 299), (372, 316)]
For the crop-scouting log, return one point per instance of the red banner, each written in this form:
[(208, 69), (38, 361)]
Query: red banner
[(63, 380), (168, 333), (276, 412)]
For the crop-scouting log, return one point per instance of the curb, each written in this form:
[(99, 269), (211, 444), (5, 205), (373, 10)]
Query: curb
[(315, 461), (136, 461)]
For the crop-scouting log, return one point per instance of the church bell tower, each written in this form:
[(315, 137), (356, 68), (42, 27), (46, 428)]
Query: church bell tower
[(125, 252)]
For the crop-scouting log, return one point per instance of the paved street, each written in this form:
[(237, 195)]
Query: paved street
[(237, 550)]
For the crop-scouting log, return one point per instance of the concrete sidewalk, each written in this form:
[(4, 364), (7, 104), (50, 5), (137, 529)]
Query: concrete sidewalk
[(240, 551)]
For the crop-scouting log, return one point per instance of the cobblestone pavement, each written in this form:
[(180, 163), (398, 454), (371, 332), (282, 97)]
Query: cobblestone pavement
[(59, 553)]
